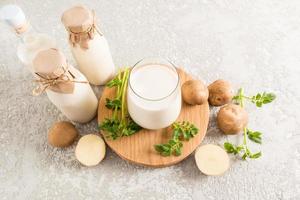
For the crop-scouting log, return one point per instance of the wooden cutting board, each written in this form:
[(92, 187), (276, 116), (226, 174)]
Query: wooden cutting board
[(139, 148)]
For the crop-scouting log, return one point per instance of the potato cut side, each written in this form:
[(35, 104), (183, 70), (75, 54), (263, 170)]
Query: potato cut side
[(212, 159), (90, 150)]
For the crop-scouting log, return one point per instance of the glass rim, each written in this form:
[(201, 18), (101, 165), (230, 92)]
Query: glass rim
[(170, 65)]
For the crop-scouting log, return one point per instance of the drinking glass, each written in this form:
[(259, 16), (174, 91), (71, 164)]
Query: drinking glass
[(154, 93)]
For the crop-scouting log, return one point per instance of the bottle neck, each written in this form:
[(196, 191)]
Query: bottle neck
[(25, 34)]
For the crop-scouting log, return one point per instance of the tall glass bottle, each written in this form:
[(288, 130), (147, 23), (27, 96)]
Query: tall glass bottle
[(88, 45), (31, 42), (66, 87)]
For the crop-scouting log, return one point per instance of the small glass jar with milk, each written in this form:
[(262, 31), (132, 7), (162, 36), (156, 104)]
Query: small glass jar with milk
[(154, 93), (88, 45)]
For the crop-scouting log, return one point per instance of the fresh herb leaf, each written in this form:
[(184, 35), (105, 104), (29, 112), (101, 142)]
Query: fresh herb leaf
[(114, 82), (113, 104), (259, 99), (254, 136), (111, 128), (243, 148), (185, 129), (230, 148), (120, 124), (173, 146), (256, 155), (239, 98), (181, 131), (264, 98)]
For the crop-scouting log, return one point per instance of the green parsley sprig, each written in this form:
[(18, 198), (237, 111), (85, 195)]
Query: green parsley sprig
[(120, 124), (181, 131), (259, 99), (255, 136)]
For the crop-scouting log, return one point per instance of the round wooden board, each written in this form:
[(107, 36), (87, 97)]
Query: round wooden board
[(139, 149)]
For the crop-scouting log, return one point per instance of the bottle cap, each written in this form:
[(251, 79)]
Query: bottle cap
[(53, 71), (81, 25), (78, 18), (14, 16)]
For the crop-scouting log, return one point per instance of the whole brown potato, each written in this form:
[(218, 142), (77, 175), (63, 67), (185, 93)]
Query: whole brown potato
[(194, 92), (62, 134), (220, 92), (232, 119)]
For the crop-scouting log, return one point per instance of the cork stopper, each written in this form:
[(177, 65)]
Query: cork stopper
[(78, 19), (50, 62), (80, 23), (51, 68)]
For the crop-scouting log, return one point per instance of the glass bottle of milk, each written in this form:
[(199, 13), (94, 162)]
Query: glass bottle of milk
[(31, 41), (66, 87), (71, 93), (88, 45)]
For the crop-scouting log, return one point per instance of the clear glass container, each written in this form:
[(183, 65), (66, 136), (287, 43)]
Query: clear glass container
[(154, 93)]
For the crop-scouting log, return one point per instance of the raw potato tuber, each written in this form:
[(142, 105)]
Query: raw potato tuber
[(220, 92), (194, 92), (212, 160), (232, 119), (90, 150), (62, 134)]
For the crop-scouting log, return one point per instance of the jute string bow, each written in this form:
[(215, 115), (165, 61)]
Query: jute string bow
[(47, 82), (83, 37)]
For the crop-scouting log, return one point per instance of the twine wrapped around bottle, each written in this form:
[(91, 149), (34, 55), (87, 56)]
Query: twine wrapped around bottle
[(53, 83), (81, 25), (53, 72)]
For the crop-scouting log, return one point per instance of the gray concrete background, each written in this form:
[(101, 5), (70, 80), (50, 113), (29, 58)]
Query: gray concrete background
[(254, 44)]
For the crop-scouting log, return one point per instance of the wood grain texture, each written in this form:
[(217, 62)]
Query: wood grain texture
[(139, 149)]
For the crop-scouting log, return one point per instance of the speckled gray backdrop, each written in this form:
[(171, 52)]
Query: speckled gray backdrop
[(252, 43)]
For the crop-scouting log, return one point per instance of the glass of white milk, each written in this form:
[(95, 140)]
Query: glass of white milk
[(154, 93)]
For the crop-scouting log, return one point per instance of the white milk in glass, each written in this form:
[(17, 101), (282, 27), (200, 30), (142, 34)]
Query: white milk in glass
[(154, 95)]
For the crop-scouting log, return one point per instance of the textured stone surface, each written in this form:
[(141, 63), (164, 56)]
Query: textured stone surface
[(252, 43)]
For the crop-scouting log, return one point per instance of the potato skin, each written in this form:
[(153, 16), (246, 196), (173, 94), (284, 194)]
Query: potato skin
[(232, 119), (220, 92), (62, 134), (194, 92)]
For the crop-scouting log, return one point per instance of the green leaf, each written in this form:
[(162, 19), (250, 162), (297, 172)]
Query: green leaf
[(166, 153), (158, 148), (258, 104), (269, 97), (258, 96), (185, 130), (181, 130), (256, 155), (120, 124), (176, 134), (244, 156), (254, 136), (229, 147), (113, 104), (264, 98), (178, 152), (114, 82)]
